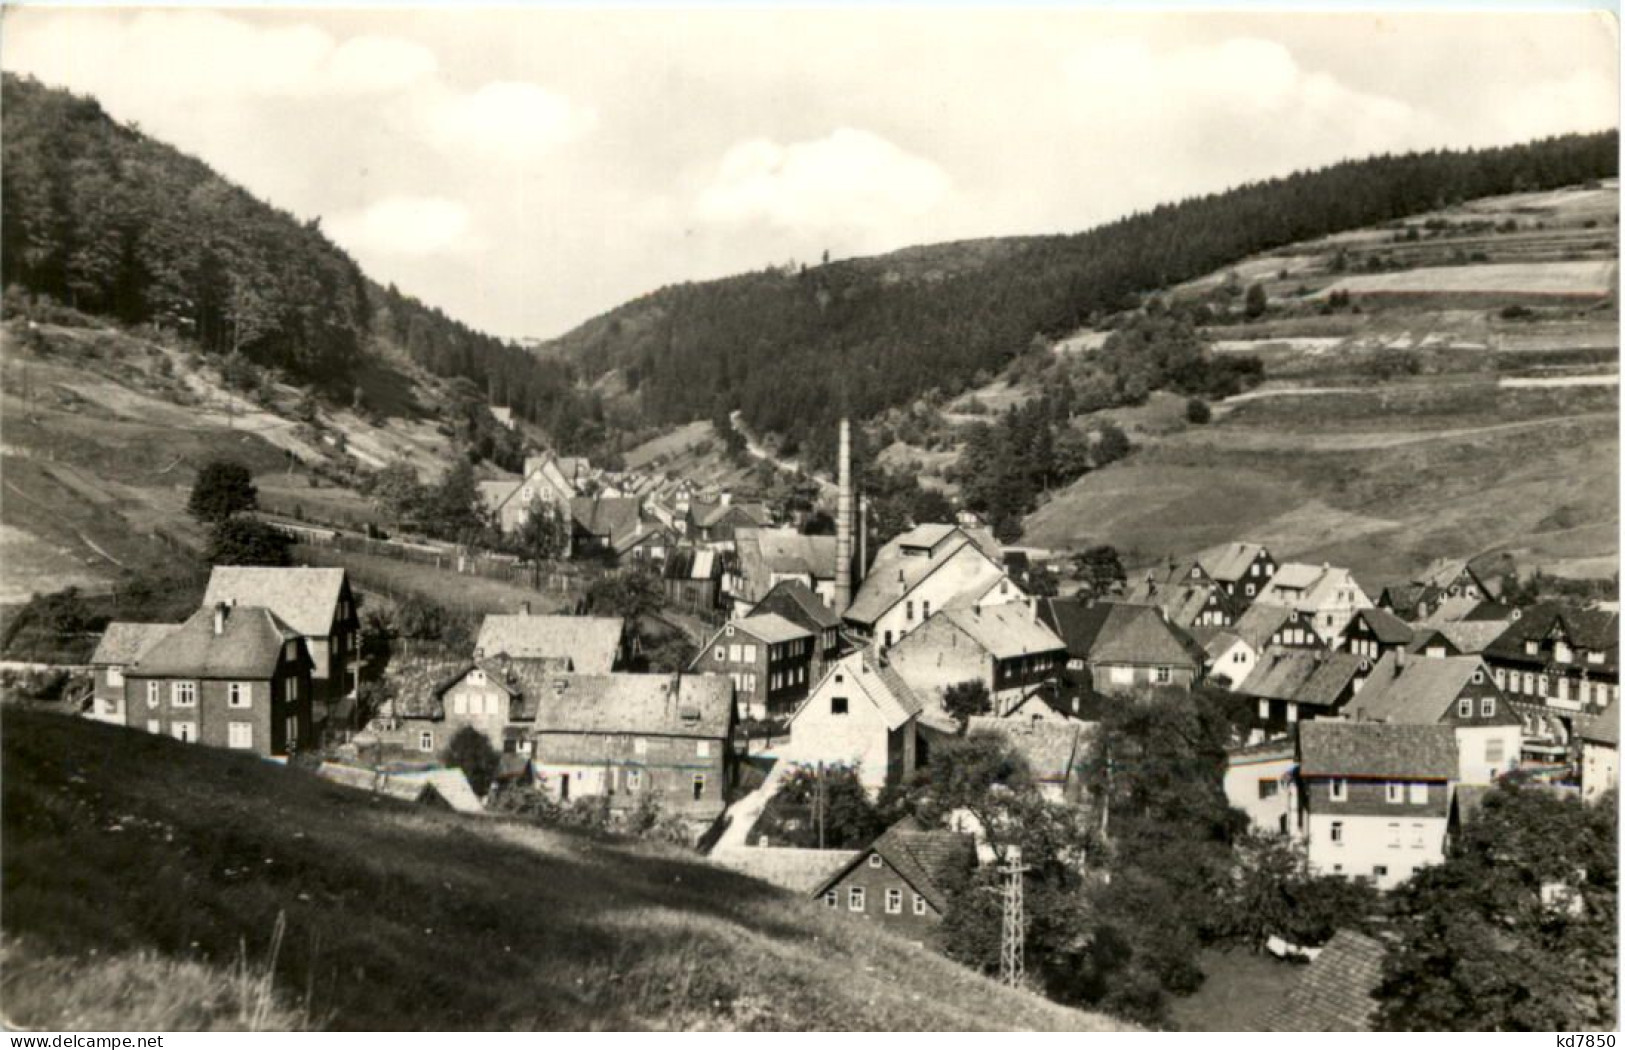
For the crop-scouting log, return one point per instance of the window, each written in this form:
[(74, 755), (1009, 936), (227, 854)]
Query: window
[(640, 746), (1531, 647), (1478, 676), (1494, 749), (919, 904), (1542, 684), (291, 650), (1464, 707), (240, 694), (1419, 794), (240, 734), (183, 694), (459, 704), (833, 899), (908, 610), (154, 726), (699, 786), (750, 652), (887, 643), (185, 732), (854, 899), (634, 780), (1263, 709), (1268, 787), (1379, 871), (1416, 836), (1486, 707), (925, 609), (894, 902), (837, 705), (1340, 791), (720, 653), (1337, 832), (702, 748), (1251, 590), (1396, 793), (290, 731), (425, 741), (1163, 675), (153, 693), (293, 689), (1393, 835), (875, 861), (115, 676), (524, 747), (736, 653)]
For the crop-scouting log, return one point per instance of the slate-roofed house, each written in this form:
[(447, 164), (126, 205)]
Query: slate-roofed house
[(613, 528), (592, 644), (627, 736), (1599, 753), (923, 571), (1556, 663), (1186, 604), (1461, 638), (435, 699), (860, 714), (1335, 992), (769, 659), (547, 484), (1005, 647), (1228, 657), (794, 601), (1054, 751), (230, 676), (770, 556), (1328, 595), (715, 523), (319, 606), (1241, 569), (122, 644), (1294, 685), (903, 878), (1374, 632), (1263, 626), (1456, 691), (1375, 797), (1123, 646), (1456, 578)]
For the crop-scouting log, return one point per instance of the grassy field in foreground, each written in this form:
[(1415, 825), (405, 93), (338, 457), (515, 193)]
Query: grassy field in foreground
[(135, 847)]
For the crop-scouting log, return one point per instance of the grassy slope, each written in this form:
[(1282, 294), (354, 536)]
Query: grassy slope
[(401, 918)]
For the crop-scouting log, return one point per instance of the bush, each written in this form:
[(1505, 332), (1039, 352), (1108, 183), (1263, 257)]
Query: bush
[(1197, 411)]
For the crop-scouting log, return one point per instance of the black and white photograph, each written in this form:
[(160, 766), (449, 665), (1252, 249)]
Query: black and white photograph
[(808, 517)]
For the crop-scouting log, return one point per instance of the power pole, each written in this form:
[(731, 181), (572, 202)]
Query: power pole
[(1012, 946), (818, 804)]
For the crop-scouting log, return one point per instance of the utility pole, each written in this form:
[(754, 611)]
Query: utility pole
[(818, 804), (1012, 945)]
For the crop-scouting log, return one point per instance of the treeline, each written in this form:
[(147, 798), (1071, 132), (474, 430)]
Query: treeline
[(102, 218), (795, 349)]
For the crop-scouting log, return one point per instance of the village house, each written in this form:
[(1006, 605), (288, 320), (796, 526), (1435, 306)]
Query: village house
[(692, 579), (613, 529), (1375, 798), (547, 486), (769, 660), (792, 600), (628, 738), (1293, 685), (1374, 633), (1228, 657), (443, 789), (1326, 595), (1188, 604), (1460, 638), (1265, 626), (1005, 647), (1242, 570), (1456, 691), (860, 714), (713, 524), (122, 644), (235, 677), (902, 879), (1446, 580), (1336, 992), (319, 605), (924, 571), (1557, 661), (434, 700), (1599, 753), (592, 644), (1260, 780), (767, 557), (1124, 647), (1055, 750)]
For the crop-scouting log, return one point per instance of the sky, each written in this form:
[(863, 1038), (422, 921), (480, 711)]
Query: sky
[(528, 168)]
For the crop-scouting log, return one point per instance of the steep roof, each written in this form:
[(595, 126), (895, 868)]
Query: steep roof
[(305, 599), (590, 642), (770, 628), (1381, 750), (764, 553), (1452, 610), (1445, 571), (1603, 729), (1137, 634), (616, 517), (1296, 576), (1216, 641), (926, 860), (1332, 675), (1469, 636), (249, 646), (1333, 993), (1388, 628), (1229, 562), (1279, 673), (1005, 630), (495, 493), (895, 572), (1594, 629), (814, 613), (1259, 623), (1076, 622), (124, 643), (1420, 692), (686, 705), (878, 681), (448, 785), (1052, 749)]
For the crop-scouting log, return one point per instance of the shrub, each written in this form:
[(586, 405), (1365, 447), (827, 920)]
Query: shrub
[(1197, 411)]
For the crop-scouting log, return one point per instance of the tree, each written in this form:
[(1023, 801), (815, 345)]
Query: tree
[(543, 536), (1257, 301), (1197, 411), (1515, 931), (1111, 444), (822, 808), (1100, 568), (631, 594), (453, 509), (223, 487), (246, 541), (965, 699), (1273, 894), (472, 753)]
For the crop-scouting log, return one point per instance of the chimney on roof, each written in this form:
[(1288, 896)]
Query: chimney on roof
[(843, 522), (221, 610)]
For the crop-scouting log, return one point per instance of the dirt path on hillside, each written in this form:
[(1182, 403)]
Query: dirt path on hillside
[(1260, 439)]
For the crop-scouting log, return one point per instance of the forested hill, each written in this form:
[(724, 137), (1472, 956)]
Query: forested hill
[(793, 349), (105, 219)]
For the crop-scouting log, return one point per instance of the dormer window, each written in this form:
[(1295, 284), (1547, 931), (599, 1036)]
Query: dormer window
[(1340, 789), (1531, 647), (1594, 656)]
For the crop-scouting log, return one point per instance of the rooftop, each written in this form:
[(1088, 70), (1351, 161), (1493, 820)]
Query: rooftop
[(1376, 750), (591, 643), (305, 599), (1006, 630), (249, 646), (1333, 993), (686, 705), (124, 643)]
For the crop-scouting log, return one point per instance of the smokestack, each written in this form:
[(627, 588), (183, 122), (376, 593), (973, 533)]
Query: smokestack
[(843, 524), (863, 537)]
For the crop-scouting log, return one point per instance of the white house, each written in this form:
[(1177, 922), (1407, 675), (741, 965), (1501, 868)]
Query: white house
[(860, 714), (1455, 691), (1329, 594), (920, 573)]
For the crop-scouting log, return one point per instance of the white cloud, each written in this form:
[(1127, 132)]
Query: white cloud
[(411, 226), (851, 178), (373, 64), (511, 120)]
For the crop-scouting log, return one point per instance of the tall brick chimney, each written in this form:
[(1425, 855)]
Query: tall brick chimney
[(843, 524)]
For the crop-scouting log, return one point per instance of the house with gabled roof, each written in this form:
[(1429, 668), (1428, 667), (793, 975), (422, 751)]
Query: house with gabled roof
[(1374, 632), (613, 528), (319, 605), (1326, 594), (1228, 657), (796, 602), (1456, 578), (1265, 626), (1375, 797), (1122, 646), (903, 879), (231, 676), (1294, 685), (1242, 570), (692, 579), (861, 714), (1186, 604), (1455, 691), (1055, 751), (1461, 638), (1557, 662), (769, 659), (547, 485), (122, 644), (923, 571), (767, 557), (714, 523), (1260, 779), (1336, 992), (1005, 647), (592, 644), (434, 700)]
